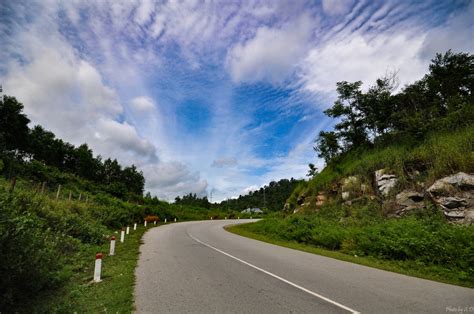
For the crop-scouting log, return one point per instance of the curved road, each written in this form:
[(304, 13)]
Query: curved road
[(198, 267)]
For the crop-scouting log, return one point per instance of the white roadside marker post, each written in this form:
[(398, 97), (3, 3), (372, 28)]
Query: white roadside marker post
[(135, 226), (238, 217), (225, 218), (112, 246), (165, 220), (98, 267), (154, 222), (144, 223), (175, 220), (211, 218), (128, 230), (122, 235)]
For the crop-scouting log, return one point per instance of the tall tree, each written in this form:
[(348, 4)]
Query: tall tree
[(13, 125)]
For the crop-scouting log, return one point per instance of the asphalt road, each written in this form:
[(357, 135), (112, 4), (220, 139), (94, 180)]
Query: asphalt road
[(198, 267)]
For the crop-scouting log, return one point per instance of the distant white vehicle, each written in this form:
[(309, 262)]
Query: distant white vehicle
[(252, 211)]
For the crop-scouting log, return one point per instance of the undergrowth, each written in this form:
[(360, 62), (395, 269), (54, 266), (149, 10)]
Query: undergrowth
[(424, 242)]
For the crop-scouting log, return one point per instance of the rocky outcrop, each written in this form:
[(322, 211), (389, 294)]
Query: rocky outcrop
[(455, 196), (385, 182), (446, 185), (346, 196), (320, 199), (408, 201), (350, 188), (301, 198)]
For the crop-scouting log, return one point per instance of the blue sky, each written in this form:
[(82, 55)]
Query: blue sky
[(214, 96)]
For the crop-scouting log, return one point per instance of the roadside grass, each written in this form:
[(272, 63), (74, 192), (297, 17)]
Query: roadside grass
[(405, 267), (79, 294)]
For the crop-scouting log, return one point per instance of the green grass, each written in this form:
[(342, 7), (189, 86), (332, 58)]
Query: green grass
[(113, 294), (406, 267)]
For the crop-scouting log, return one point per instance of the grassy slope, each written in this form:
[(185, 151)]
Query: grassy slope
[(113, 294), (440, 154), (422, 245), (410, 268), (71, 232)]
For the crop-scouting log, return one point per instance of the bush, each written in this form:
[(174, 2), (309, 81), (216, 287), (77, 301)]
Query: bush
[(426, 239), (328, 235), (29, 252)]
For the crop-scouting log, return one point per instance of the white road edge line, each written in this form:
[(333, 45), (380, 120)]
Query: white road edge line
[(277, 277)]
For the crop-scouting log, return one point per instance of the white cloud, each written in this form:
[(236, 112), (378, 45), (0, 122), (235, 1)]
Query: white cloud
[(271, 54), (358, 58), (122, 137), (336, 7), (169, 179), (249, 189), (144, 11), (96, 96), (143, 103)]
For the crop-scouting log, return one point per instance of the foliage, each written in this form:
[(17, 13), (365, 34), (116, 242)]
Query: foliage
[(440, 153), (192, 200), (313, 170), (272, 196), (27, 152), (441, 100), (426, 240), (28, 250)]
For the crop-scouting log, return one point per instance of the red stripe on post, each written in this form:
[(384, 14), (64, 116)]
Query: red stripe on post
[(113, 238), (98, 256)]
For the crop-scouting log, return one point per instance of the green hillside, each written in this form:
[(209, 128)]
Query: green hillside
[(375, 201), (59, 205)]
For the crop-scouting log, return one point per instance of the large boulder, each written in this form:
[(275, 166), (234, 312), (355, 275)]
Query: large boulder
[(385, 182), (447, 185), (407, 201), (454, 194)]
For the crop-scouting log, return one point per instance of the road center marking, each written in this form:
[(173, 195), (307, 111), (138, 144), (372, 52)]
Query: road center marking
[(277, 277)]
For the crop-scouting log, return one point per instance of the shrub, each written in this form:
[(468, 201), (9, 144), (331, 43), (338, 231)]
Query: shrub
[(28, 251)]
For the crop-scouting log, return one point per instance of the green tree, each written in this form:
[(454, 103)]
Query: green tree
[(327, 146), (13, 125), (348, 107), (313, 170)]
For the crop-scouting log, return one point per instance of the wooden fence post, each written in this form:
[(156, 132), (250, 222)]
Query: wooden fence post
[(12, 186), (59, 191)]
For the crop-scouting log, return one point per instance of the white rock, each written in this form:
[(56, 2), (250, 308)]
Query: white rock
[(346, 195), (385, 182), (459, 180)]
